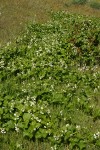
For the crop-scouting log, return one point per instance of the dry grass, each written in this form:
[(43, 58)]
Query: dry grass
[(14, 14)]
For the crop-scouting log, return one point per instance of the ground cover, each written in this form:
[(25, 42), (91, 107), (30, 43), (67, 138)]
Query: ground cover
[(50, 86)]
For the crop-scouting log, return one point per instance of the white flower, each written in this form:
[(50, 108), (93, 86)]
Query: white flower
[(34, 129), (61, 113), (16, 129), (78, 127), (67, 125), (18, 145), (3, 131), (96, 135)]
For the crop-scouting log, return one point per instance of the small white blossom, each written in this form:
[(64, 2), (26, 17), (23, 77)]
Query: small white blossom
[(3, 131), (78, 127), (96, 135)]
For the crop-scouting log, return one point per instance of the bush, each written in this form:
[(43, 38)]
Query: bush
[(79, 2), (95, 5)]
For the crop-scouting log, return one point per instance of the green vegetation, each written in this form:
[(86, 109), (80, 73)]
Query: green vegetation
[(95, 5), (80, 2), (50, 86)]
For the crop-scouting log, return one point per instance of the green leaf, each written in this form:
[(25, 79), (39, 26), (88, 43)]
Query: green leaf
[(9, 125), (26, 117), (1, 111), (26, 133)]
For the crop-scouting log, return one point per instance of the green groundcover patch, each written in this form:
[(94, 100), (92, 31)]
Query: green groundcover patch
[(50, 83)]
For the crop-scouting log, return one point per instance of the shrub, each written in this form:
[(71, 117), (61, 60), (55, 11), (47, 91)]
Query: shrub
[(79, 2), (95, 5)]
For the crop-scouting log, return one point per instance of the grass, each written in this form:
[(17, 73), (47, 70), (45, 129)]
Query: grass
[(8, 143), (15, 14)]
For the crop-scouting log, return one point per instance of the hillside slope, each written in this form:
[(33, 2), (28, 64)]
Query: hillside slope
[(50, 82)]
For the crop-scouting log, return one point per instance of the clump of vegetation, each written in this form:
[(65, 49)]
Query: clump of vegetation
[(95, 5), (80, 2), (50, 83)]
